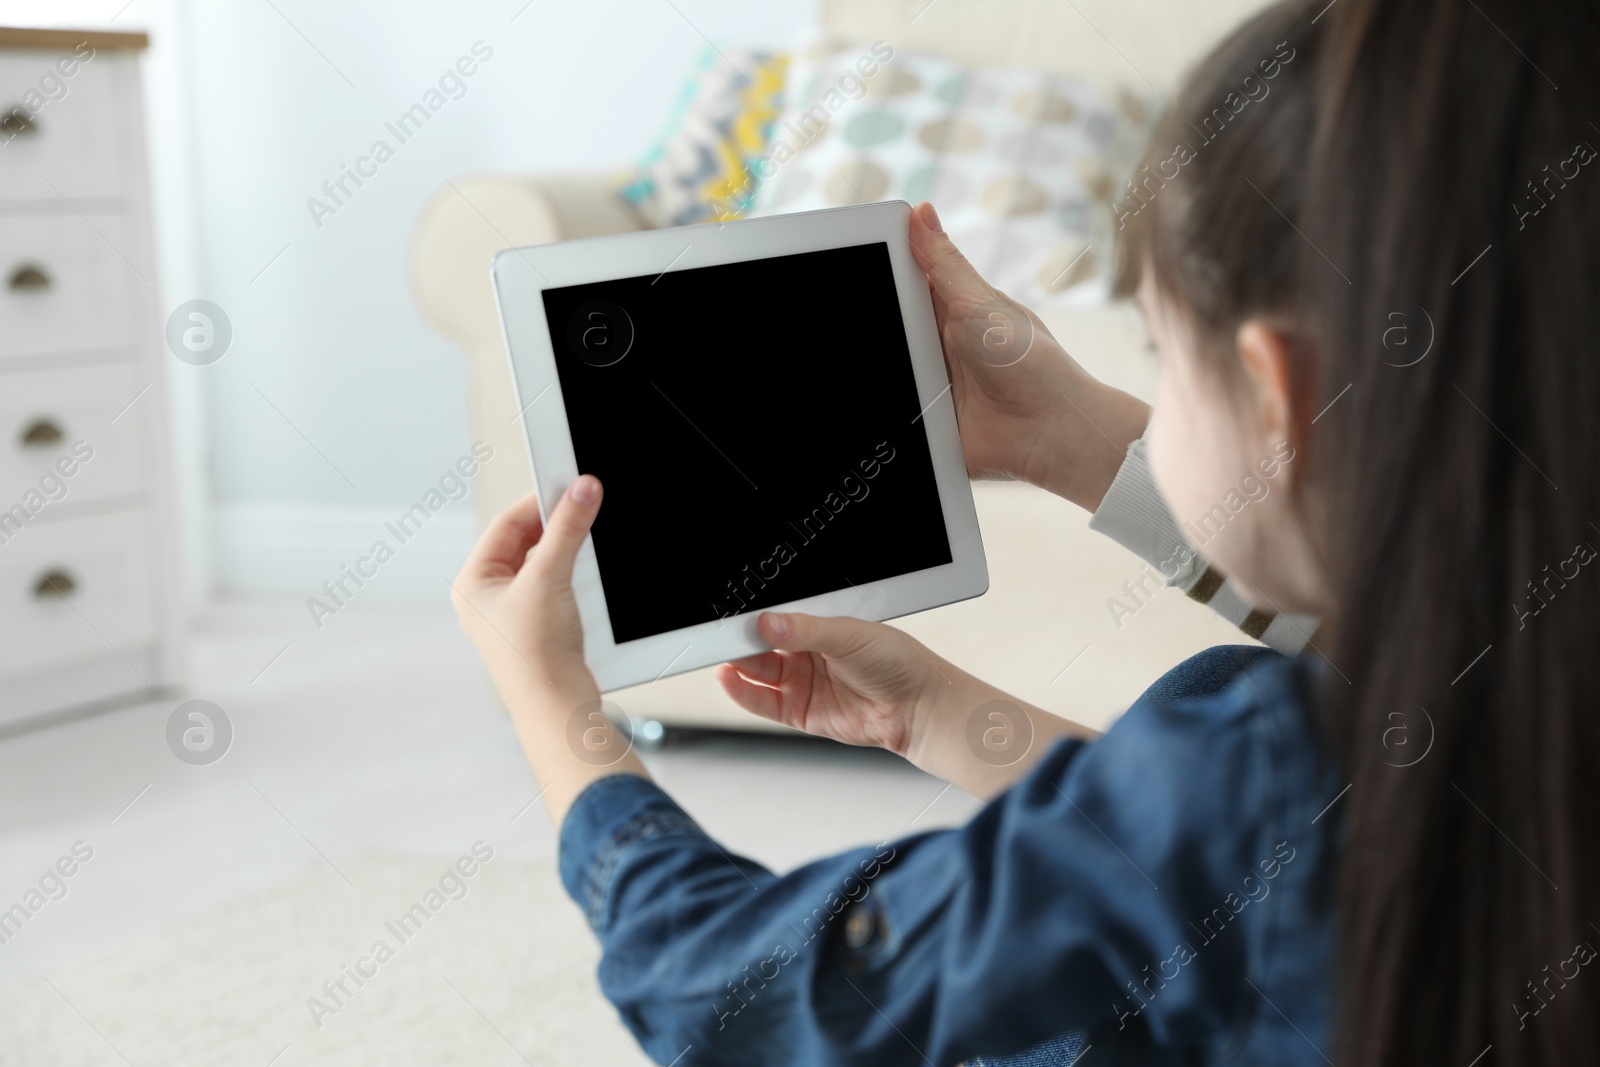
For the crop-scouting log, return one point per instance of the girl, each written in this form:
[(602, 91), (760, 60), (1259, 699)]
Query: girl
[(1379, 852)]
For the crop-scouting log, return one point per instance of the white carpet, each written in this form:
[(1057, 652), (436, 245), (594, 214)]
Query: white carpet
[(196, 935), (231, 985)]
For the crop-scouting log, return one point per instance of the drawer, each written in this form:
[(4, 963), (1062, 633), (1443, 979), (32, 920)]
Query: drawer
[(55, 416), (71, 139), (64, 285), (69, 587)]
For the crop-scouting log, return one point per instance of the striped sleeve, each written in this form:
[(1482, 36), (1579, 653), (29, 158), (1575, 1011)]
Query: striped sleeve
[(1134, 515)]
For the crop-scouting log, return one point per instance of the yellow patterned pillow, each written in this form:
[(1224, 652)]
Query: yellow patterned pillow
[(700, 169)]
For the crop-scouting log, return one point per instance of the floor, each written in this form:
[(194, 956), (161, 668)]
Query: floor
[(371, 742)]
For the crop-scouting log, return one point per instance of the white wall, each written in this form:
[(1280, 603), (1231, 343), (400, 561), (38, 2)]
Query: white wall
[(254, 104)]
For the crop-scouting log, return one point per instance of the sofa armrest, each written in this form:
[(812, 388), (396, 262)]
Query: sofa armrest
[(459, 231)]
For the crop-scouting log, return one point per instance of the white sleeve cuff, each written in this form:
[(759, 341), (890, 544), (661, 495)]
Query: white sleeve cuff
[(1134, 516)]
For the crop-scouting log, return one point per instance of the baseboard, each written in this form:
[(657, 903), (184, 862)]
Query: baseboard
[(75, 690), (302, 551)]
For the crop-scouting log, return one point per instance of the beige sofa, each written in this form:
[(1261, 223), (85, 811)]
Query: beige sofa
[(1044, 631)]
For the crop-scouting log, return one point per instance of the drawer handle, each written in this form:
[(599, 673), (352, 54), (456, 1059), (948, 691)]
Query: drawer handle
[(55, 584), (42, 433), (18, 121), (29, 278)]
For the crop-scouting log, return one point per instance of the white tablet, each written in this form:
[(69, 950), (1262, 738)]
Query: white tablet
[(766, 404)]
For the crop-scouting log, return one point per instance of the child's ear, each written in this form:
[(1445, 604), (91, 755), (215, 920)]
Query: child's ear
[(1264, 354)]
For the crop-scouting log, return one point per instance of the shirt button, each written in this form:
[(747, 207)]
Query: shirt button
[(860, 927)]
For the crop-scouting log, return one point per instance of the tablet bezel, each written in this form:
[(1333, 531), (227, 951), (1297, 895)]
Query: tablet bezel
[(519, 277)]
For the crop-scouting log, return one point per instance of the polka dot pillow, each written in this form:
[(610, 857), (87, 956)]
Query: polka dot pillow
[(1021, 165)]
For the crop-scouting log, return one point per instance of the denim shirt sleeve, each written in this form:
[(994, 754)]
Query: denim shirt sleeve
[(1061, 906)]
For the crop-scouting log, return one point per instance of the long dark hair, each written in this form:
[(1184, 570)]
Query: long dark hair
[(1415, 198)]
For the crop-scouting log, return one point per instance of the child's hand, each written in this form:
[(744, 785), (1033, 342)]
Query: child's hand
[(864, 683), (859, 682), (1027, 410), (514, 596)]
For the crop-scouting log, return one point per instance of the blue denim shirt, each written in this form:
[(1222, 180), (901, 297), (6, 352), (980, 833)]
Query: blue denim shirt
[(1163, 895)]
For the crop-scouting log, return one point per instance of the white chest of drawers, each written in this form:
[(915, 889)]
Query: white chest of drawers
[(89, 596)]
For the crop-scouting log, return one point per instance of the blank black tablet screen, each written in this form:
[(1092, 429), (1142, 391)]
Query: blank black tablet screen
[(757, 429)]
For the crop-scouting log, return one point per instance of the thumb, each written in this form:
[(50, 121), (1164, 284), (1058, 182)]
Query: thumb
[(569, 524), (838, 637), (948, 270)]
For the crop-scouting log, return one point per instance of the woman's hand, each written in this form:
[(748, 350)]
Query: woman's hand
[(514, 598), (864, 683), (1026, 409)]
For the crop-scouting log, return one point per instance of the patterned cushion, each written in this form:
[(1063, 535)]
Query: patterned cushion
[(1021, 165), (697, 171)]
